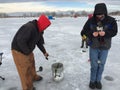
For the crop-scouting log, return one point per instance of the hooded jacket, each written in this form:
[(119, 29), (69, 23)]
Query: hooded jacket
[(27, 37), (100, 8), (109, 27)]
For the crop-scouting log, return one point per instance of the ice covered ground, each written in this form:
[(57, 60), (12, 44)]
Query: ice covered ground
[(62, 41)]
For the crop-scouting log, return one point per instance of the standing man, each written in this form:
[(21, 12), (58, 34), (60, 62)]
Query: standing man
[(23, 44), (99, 29)]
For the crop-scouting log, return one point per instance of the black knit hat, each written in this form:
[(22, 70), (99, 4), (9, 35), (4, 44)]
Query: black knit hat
[(100, 8)]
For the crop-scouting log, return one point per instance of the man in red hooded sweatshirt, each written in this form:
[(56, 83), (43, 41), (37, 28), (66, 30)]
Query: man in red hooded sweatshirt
[(27, 37)]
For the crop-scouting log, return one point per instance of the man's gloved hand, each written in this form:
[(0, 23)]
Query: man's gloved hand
[(46, 55), (84, 37)]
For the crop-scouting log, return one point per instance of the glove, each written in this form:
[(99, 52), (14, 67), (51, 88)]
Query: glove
[(84, 37), (46, 55)]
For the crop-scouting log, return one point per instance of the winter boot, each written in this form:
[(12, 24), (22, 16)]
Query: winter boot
[(38, 78), (98, 85), (81, 47), (92, 85), (34, 88), (86, 46)]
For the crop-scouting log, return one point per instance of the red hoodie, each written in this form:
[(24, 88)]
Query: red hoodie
[(43, 22)]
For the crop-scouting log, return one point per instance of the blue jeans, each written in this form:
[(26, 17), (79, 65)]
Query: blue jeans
[(97, 60)]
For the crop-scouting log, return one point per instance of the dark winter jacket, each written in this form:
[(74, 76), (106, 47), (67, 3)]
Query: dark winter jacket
[(109, 26), (27, 37)]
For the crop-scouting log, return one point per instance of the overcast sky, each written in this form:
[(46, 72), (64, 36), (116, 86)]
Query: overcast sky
[(54, 5)]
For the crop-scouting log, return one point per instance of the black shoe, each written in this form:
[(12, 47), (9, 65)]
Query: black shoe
[(92, 85), (98, 85), (81, 47), (34, 88), (37, 78)]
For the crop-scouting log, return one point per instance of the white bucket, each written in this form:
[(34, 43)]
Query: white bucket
[(57, 71)]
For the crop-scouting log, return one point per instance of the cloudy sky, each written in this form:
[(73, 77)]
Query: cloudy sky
[(9, 6)]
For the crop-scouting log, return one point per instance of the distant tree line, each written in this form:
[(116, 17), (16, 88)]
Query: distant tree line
[(3, 15), (54, 14), (115, 13)]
